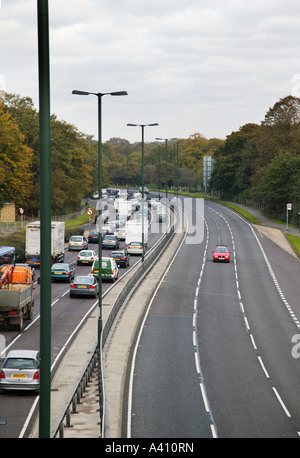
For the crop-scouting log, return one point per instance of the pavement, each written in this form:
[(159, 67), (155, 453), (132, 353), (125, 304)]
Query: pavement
[(86, 421)]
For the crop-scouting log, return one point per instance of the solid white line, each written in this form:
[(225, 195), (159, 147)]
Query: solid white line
[(253, 341), (29, 417), (246, 323), (281, 402), (213, 431), (204, 397), (263, 367), (197, 363)]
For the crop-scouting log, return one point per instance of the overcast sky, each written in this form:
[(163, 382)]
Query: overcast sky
[(193, 66)]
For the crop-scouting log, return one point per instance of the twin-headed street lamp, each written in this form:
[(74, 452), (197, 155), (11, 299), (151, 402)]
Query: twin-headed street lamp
[(143, 126), (166, 140), (99, 95)]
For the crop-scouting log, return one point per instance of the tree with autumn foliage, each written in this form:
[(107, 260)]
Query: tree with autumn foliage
[(15, 162), (261, 162)]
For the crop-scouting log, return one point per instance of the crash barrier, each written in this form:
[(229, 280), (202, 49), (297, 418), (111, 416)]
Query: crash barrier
[(97, 355)]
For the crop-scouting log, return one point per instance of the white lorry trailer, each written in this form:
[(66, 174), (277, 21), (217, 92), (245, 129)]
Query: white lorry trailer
[(32, 245), (125, 208), (134, 237)]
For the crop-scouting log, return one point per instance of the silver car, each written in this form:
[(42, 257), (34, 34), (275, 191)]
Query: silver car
[(78, 242), (86, 257), (20, 371)]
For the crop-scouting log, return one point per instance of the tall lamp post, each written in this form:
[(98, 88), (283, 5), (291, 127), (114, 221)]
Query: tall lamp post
[(99, 95), (143, 223), (166, 140)]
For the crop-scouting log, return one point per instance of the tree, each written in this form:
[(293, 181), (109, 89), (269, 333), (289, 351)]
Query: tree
[(279, 185), (15, 161)]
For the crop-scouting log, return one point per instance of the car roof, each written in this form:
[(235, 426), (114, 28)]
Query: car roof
[(22, 354)]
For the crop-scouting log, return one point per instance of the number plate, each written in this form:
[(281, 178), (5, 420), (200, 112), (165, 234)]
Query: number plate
[(82, 286), (19, 375)]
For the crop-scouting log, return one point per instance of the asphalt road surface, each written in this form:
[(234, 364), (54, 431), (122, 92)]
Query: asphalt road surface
[(67, 313), (215, 358)]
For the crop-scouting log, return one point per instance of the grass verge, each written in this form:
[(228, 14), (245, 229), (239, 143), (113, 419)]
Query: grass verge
[(295, 242), (241, 211)]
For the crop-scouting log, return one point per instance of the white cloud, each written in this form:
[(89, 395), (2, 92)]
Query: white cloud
[(195, 66)]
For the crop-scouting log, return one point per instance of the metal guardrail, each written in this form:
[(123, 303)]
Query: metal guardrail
[(96, 356)]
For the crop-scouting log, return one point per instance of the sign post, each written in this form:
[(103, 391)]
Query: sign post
[(21, 210), (89, 212), (288, 207)]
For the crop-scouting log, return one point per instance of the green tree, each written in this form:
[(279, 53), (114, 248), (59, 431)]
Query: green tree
[(279, 185), (15, 161)]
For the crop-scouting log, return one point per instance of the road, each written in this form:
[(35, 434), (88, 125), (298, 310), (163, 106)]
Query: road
[(215, 356), (66, 315)]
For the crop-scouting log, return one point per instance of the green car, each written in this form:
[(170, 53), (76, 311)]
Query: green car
[(62, 271), (110, 270)]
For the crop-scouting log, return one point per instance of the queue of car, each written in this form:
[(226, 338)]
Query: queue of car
[(20, 369)]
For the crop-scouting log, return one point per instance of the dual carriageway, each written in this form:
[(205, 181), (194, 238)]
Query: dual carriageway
[(214, 356)]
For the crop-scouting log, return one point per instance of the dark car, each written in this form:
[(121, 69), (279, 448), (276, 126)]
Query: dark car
[(84, 286), (110, 241), (62, 271), (121, 257), (93, 237), (33, 261)]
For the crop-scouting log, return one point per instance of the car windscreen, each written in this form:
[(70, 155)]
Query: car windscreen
[(20, 363), (76, 239), (84, 280)]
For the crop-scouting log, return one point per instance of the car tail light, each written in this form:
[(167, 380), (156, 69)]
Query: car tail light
[(92, 287), (36, 376), (123, 258), (72, 286), (112, 272), (78, 257), (2, 375), (67, 273), (92, 258)]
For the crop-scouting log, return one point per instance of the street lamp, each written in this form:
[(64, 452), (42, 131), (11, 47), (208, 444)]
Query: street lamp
[(166, 140), (99, 95), (143, 126)]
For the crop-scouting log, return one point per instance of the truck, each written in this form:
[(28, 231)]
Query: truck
[(134, 232), (125, 208), (32, 243), (16, 290)]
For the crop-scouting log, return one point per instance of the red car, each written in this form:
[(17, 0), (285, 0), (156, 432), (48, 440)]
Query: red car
[(221, 253)]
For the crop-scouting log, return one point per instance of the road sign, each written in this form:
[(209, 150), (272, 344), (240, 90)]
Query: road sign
[(89, 211), (289, 206), (21, 210)]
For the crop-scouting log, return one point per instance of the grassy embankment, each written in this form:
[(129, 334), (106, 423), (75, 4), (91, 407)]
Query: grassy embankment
[(17, 239)]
